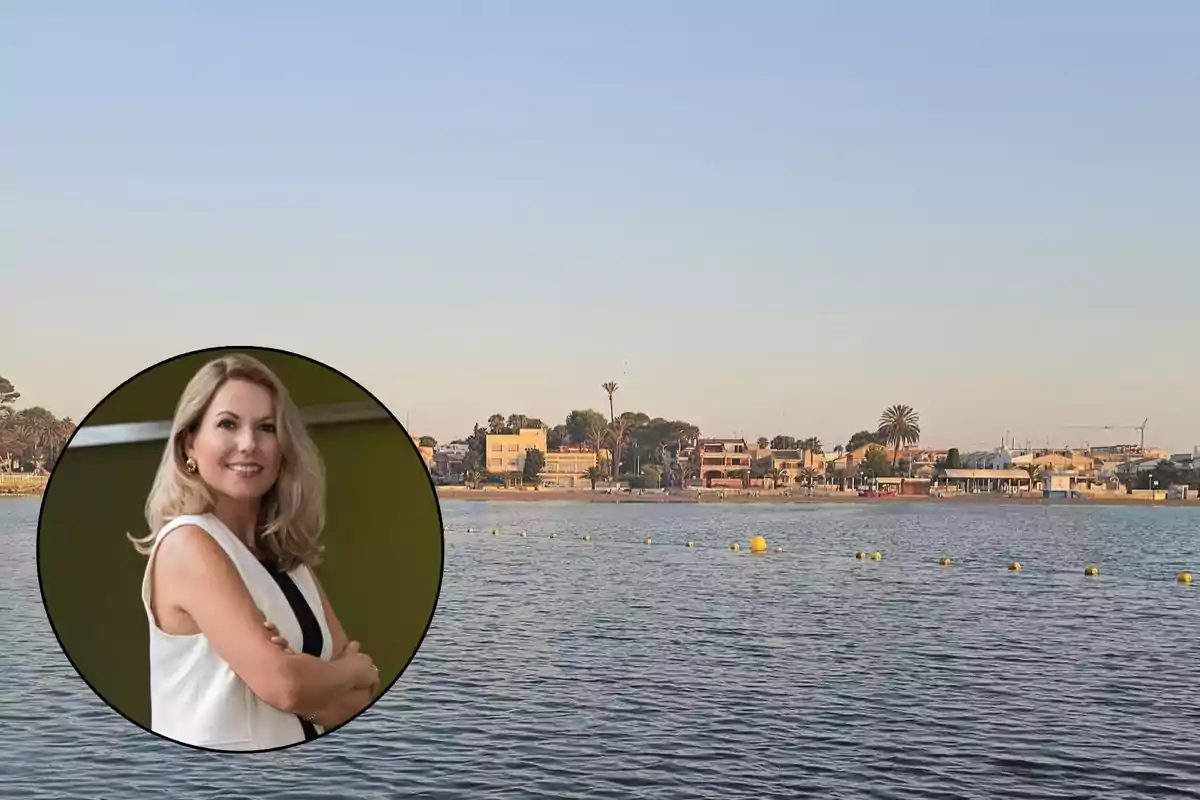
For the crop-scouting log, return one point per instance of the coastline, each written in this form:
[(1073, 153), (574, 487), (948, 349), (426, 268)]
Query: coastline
[(17, 486), (696, 498)]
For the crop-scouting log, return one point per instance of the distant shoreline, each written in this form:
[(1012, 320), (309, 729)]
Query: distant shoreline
[(22, 486), (693, 498)]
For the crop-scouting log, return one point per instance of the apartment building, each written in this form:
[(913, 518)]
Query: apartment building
[(568, 468), (720, 457), (506, 451)]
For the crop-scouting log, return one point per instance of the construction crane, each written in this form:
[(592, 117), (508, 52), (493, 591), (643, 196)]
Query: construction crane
[(1140, 428)]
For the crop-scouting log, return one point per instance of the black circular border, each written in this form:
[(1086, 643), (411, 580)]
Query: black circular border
[(432, 487)]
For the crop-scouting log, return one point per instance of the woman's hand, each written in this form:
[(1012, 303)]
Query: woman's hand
[(277, 639), (362, 664)]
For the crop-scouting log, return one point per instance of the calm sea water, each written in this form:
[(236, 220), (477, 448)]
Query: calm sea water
[(565, 668)]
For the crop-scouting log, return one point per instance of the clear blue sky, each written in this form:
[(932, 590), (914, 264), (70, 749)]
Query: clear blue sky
[(761, 217)]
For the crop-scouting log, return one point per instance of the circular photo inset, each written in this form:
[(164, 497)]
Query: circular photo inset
[(240, 549)]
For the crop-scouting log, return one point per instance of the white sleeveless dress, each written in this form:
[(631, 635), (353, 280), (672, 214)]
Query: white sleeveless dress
[(195, 697)]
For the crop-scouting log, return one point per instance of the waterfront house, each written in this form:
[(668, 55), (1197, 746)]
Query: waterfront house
[(448, 467), (506, 451), (720, 457), (567, 468)]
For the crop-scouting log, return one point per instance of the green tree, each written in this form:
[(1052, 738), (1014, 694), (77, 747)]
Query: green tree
[(781, 442), (651, 478), (763, 443), (875, 465), (682, 471), (953, 459), (807, 475), (558, 437), (594, 474), (496, 424), (597, 431), (473, 472), (8, 396), (41, 433), (477, 445), (899, 426), (535, 462), (582, 424), (863, 437), (428, 441), (618, 434), (810, 445)]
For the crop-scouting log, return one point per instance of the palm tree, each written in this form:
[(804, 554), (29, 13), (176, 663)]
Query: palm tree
[(618, 433), (594, 474), (810, 445), (596, 431), (474, 476), (611, 388), (775, 474), (10, 445), (1034, 470), (807, 474), (683, 470), (899, 426)]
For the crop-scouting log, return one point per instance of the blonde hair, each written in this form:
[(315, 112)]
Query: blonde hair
[(292, 514)]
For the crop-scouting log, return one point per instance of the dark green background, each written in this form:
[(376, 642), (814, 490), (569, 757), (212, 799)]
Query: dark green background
[(383, 535)]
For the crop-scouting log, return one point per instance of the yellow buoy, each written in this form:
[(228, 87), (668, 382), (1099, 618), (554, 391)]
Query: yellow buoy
[(734, 546), (876, 556), (1184, 577), (778, 549), (1015, 566), (649, 540), (554, 536), (861, 555), (689, 543), (758, 544), (1091, 570), (495, 532), (587, 537), (944, 561)]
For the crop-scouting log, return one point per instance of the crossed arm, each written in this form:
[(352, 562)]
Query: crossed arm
[(203, 583), (344, 707)]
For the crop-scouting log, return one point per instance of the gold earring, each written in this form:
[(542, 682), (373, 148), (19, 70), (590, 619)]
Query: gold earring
[(190, 465)]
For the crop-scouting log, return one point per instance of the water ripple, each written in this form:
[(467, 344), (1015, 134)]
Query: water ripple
[(564, 668)]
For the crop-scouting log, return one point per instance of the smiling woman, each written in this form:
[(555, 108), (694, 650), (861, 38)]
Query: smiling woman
[(242, 646), (235, 516)]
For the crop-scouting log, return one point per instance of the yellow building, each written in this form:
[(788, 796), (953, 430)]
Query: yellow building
[(426, 452), (720, 457), (567, 468), (506, 451), (789, 463)]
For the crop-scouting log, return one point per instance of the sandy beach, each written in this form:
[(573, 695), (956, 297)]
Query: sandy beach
[(497, 494), (22, 485)]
